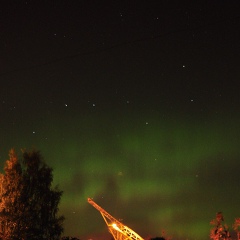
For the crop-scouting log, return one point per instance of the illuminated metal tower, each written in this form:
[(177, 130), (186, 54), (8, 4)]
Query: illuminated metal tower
[(116, 228)]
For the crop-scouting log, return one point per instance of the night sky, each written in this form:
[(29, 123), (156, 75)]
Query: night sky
[(133, 103)]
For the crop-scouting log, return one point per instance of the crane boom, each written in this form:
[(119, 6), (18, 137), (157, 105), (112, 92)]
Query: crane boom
[(103, 212), (116, 228)]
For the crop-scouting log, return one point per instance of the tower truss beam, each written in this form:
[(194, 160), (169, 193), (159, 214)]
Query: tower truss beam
[(116, 228)]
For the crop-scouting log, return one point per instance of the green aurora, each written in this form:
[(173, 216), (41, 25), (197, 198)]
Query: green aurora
[(133, 105), (156, 174)]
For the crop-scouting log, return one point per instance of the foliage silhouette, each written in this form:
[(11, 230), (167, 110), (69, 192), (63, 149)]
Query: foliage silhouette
[(28, 203), (219, 230)]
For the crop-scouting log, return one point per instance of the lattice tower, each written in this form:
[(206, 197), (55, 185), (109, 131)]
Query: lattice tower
[(116, 228)]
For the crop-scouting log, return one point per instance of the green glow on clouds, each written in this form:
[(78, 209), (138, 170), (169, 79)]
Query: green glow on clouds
[(164, 170)]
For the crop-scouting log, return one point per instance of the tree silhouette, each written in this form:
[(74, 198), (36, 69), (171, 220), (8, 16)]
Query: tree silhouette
[(29, 205), (11, 187), (236, 227), (219, 231)]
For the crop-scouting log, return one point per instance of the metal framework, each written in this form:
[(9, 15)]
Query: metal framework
[(116, 228)]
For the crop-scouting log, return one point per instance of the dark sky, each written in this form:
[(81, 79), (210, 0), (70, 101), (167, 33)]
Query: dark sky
[(133, 103)]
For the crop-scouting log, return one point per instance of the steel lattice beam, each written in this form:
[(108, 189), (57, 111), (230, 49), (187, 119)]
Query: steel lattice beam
[(116, 228)]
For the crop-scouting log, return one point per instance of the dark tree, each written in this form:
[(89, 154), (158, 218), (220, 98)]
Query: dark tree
[(158, 238), (236, 227), (219, 230), (29, 207), (11, 188)]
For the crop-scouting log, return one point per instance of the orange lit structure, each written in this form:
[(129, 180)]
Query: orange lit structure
[(116, 228)]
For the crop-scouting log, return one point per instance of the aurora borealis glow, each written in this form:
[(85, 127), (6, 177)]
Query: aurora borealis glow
[(136, 107)]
